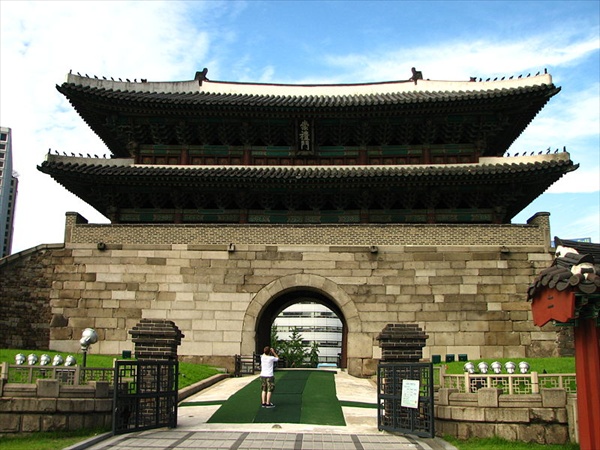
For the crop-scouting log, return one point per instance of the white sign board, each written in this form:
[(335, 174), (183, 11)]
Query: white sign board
[(410, 394)]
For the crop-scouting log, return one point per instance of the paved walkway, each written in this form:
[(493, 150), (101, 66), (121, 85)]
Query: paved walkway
[(192, 432)]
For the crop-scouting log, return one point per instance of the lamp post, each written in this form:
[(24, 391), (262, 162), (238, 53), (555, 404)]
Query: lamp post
[(88, 337)]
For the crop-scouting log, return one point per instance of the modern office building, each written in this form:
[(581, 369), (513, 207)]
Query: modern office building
[(8, 192), (315, 323)]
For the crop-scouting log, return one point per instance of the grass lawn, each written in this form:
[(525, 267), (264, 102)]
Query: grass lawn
[(51, 440), (501, 444), (550, 365), (188, 373)]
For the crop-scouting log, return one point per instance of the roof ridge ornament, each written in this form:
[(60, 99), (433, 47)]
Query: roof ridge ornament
[(201, 76), (416, 75)]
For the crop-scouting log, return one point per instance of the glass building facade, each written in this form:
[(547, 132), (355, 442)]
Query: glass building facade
[(315, 323), (8, 192)]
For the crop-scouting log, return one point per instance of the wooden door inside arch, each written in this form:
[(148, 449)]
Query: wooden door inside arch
[(280, 302)]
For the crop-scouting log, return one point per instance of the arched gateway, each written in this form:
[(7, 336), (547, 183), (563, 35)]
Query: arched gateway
[(285, 291)]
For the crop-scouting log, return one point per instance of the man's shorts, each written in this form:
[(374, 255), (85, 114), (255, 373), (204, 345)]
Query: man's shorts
[(267, 384)]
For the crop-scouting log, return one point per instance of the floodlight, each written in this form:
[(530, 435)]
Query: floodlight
[(469, 367), (510, 367), (496, 367), (483, 367)]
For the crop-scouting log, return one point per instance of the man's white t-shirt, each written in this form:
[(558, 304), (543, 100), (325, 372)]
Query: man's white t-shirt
[(267, 364)]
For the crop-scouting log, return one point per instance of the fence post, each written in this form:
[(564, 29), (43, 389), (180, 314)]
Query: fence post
[(535, 383), (442, 374), (466, 381)]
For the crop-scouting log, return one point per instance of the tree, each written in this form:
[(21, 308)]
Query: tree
[(292, 350), (274, 340), (313, 356)]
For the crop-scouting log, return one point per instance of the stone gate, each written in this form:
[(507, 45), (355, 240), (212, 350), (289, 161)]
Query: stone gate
[(464, 286)]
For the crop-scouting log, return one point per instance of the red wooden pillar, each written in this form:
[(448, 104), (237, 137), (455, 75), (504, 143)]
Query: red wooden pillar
[(587, 362)]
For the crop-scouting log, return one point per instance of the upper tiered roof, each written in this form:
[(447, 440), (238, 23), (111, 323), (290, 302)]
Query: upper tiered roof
[(487, 115)]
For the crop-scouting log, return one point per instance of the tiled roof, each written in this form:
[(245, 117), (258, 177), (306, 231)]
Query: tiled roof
[(57, 165), (576, 266), (226, 100)]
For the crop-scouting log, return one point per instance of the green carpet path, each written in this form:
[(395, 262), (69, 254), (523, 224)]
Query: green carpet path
[(300, 396)]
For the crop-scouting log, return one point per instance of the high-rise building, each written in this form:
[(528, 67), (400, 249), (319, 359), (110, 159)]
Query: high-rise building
[(315, 323), (8, 192)]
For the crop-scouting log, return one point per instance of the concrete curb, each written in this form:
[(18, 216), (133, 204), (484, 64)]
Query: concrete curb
[(200, 385), (90, 441)]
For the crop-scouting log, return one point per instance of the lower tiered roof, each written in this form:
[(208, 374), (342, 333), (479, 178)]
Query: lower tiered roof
[(491, 191)]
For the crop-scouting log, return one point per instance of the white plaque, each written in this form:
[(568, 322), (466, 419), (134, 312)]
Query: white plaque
[(410, 394)]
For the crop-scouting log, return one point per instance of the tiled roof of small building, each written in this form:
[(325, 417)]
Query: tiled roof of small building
[(576, 266)]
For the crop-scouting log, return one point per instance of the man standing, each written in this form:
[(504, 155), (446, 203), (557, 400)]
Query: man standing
[(267, 363)]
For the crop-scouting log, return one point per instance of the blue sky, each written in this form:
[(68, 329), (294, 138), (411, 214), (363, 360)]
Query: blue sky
[(296, 42)]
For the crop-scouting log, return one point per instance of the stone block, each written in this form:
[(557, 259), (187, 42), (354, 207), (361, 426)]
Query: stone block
[(103, 405), (102, 388), (542, 414), (30, 423), (553, 397), (557, 434), (75, 422), (54, 422), (488, 397), (532, 433), (507, 431), (507, 415), (444, 396), (10, 423), (64, 405), (443, 412), (47, 388), (483, 430), (467, 414)]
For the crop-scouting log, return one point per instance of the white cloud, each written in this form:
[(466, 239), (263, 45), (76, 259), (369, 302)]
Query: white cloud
[(170, 40), (579, 181), (456, 60)]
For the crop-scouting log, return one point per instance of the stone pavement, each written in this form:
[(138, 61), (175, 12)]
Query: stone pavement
[(192, 432)]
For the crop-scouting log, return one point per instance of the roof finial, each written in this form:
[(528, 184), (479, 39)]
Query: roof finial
[(201, 76), (417, 75)]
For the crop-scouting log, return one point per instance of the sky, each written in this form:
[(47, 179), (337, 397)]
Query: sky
[(296, 42)]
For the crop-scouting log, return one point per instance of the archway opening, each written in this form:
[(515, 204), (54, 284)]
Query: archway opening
[(280, 302)]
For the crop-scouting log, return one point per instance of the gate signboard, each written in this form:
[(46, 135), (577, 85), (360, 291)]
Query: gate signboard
[(145, 395), (405, 398)]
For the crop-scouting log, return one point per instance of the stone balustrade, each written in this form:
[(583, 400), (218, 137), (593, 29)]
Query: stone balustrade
[(46, 405)]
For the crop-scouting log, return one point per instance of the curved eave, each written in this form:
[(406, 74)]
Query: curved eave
[(96, 101), (68, 168)]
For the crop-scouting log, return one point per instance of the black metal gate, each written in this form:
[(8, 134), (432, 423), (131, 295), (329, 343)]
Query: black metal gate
[(145, 395), (418, 418)]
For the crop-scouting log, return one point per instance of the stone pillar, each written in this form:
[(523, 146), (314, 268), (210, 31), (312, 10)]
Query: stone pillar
[(402, 342), (542, 220), (156, 339)]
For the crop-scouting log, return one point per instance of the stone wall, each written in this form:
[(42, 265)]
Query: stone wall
[(544, 418), (48, 406), (25, 283), (216, 282)]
